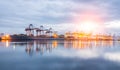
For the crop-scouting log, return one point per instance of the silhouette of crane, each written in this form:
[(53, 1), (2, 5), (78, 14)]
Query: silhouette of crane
[(49, 32), (30, 30), (39, 31)]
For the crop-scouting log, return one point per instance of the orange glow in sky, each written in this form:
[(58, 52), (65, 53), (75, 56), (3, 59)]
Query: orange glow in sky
[(89, 22), (88, 26)]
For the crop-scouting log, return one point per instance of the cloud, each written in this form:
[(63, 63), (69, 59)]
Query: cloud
[(112, 56), (113, 24), (79, 53), (20, 13), (113, 27)]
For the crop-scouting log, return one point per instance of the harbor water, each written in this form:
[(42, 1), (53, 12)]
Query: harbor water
[(59, 55)]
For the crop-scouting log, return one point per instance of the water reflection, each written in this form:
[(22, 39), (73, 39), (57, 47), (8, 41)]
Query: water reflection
[(60, 55), (37, 46), (43, 46), (87, 44), (6, 43)]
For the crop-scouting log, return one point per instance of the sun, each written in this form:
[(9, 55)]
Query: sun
[(89, 21), (88, 26)]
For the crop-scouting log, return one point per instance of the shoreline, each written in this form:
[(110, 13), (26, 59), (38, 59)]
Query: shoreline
[(62, 39)]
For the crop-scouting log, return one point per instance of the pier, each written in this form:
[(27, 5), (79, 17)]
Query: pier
[(41, 33)]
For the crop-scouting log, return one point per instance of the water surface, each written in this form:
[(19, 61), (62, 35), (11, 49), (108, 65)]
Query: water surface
[(59, 55)]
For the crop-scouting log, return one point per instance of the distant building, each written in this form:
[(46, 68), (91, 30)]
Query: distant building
[(1, 34)]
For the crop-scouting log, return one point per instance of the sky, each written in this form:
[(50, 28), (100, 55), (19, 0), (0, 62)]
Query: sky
[(61, 15)]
